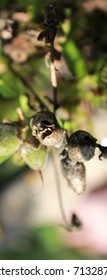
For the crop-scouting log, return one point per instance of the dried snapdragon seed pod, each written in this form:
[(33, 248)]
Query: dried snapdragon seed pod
[(103, 150), (9, 139), (75, 174), (46, 129), (81, 146), (34, 157)]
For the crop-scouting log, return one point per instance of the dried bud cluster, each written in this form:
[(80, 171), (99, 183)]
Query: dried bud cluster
[(46, 129), (103, 150), (74, 173), (80, 148), (52, 18)]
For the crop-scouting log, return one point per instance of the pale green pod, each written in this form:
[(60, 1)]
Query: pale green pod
[(17, 157), (34, 157), (9, 140)]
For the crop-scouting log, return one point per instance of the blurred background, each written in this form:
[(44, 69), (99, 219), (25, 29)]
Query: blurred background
[(29, 221)]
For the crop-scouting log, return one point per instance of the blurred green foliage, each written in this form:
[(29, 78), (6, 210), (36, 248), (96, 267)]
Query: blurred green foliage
[(42, 244), (83, 46)]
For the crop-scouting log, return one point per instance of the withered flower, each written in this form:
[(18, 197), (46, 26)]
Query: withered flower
[(46, 129), (81, 146), (75, 174)]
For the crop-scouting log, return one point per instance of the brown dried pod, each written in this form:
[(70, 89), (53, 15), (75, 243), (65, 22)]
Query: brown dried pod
[(19, 49), (46, 129), (20, 16), (81, 146), (7, 30), (103, 150), (91, 5), (75, 174), (6, 34), (17, 54), (31, 36)]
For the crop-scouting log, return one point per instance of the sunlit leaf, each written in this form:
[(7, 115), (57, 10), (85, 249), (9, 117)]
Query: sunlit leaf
[(74, 59)]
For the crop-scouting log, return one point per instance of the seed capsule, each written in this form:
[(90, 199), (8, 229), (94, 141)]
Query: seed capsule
[(46, 129), (9, 140), (34, 157), (103, 152), (75, 174), (81, 146)]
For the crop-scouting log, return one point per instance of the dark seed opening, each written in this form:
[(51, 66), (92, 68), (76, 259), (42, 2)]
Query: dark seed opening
[(45, 134), (47, 123), (87, 138)]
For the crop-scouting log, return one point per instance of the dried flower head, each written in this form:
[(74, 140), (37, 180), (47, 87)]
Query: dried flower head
[(19, 49), (81, 146), (75, 174), (46, 129), (103, 150)]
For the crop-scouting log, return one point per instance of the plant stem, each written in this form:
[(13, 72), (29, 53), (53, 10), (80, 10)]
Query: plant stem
[(53, 76), (65, 225)]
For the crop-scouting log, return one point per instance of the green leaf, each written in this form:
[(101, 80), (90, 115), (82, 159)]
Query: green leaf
[(74, 59), (3, 158), (10, 85)]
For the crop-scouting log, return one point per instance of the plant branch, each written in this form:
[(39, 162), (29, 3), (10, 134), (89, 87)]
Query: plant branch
[(65, 225), (42, 102), (53, 76)]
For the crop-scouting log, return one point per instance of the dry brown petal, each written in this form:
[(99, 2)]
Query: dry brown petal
[(21, 40), (20, 16), (6, 34), (19, 49), (91, 5), (32, 36), (7, 48), (18, 55)]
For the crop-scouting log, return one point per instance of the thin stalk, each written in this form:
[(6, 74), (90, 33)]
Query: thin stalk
[(65, 225), (54, 88), (53, 76)]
